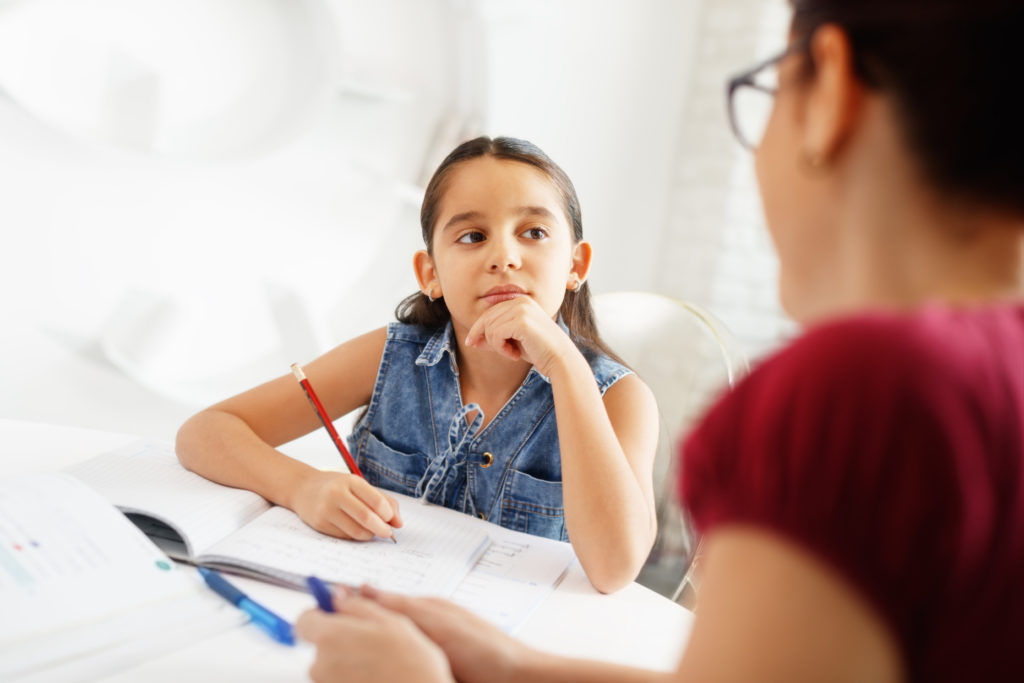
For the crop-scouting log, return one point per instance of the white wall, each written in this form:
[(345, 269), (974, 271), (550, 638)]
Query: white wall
[(599, 87), (220, 272)]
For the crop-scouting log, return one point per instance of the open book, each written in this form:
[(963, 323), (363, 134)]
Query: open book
[(199, 521), (83, 593)]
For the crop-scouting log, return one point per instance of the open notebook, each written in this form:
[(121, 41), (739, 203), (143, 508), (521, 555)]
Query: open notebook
[(196, 520)]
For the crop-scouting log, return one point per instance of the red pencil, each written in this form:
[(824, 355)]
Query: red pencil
[(325, 420)]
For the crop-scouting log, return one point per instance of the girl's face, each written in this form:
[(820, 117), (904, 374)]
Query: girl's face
[(501, 232)]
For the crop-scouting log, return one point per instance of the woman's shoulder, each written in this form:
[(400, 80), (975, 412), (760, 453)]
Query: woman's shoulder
[(933, 344), (889, 444), (864, 386)]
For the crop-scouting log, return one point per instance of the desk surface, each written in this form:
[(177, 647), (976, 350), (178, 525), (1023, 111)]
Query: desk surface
[(634, 626)]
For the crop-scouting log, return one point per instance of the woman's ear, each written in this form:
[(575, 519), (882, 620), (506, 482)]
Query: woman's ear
[(835, 96), (582, 253), (426, 274)]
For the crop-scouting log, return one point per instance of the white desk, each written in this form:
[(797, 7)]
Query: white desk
[(634, 626)]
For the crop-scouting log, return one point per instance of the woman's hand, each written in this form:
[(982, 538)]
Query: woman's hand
[(366, 642), (520, 329), (346, 506), (476, 649)]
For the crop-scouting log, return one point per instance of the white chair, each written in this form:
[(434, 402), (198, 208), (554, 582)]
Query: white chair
[(687, 357)]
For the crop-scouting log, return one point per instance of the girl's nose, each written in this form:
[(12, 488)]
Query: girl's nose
[(504, 256)]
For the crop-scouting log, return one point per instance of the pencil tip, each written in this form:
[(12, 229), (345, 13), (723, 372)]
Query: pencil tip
[(394, 540), (297, 371)]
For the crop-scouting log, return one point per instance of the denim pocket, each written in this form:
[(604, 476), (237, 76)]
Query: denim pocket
[(534, 506), (387, 468)]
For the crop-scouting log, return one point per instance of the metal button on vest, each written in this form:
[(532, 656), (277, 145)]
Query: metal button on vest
[(488, 459)]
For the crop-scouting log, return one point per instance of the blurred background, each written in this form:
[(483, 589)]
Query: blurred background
[(197, 193)]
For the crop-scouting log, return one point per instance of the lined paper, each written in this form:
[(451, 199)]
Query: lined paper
[(436, 548), (513, 577), (439, 551)]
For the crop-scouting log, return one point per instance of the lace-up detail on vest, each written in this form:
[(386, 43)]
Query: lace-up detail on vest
[(446, 473), (414, 437)]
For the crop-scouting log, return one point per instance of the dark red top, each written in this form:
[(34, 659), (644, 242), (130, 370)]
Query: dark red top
[(892, 447)]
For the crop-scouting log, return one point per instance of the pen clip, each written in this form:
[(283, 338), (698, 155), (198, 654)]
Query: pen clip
[(322, 592)]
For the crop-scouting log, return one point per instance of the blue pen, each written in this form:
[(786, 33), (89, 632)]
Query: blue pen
[(320, 591), (279, 629)]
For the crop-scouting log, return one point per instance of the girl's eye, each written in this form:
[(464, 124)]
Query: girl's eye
[(536, 233), (471, 237)]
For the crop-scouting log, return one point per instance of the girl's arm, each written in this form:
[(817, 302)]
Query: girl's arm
[(234, 443), (608, 447)]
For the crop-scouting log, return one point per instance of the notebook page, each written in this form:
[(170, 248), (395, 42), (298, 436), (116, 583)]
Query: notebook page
[(513, 577), (146, 477), (436, 548), (70, 566)]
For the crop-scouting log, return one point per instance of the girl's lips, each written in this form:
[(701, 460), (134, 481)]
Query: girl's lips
[(499, 294), (502, 296)]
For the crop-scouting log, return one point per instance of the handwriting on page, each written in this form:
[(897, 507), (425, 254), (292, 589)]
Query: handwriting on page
[(431, 556), (514, 576)]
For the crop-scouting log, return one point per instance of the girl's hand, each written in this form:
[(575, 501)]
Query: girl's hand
[(520, 329), (346, 506), (366, 642)]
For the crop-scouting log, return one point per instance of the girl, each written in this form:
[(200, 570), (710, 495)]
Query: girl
[(861, 493), (493, 395)]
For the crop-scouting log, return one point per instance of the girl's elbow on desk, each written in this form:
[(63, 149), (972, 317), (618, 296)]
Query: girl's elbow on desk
[(611, 579), (609, 572), (188, 442)]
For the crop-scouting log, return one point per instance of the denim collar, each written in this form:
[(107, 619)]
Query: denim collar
[(443, 341)]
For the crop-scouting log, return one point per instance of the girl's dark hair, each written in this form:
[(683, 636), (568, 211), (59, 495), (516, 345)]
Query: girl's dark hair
[(953, 69), (576, 310)]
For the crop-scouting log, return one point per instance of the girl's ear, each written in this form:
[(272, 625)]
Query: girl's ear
[(835, 96), (582, 254), (426, 274)]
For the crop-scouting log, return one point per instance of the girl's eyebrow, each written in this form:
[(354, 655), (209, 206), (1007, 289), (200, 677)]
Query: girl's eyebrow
[(535, 211), (462, 217), (479, 215)]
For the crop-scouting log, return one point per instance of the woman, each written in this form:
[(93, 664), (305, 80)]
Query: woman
[(866, 523)]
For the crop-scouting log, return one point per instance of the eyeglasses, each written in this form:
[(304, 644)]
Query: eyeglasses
[(751, 96)]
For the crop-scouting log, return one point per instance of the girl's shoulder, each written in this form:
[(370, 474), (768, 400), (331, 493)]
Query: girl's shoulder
[(607, 371), (416, 334)]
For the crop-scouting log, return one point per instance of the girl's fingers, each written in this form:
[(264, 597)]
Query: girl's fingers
[(494, 329), (366, 516), (396, 519), (379, 504), (348, 527)]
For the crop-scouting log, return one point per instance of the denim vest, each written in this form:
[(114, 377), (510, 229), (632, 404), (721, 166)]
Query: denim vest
[(414, 437)]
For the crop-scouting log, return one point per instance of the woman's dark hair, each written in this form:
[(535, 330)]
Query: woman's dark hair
[(953, 69), (576, 310)]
